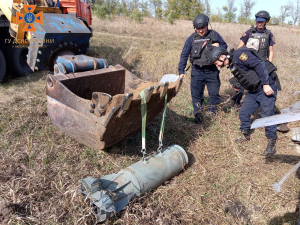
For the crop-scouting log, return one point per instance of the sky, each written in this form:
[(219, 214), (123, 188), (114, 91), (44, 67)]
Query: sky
[(273, 7)]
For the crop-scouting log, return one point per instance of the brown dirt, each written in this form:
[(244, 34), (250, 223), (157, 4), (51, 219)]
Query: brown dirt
[(145, 84), (6, 210), (236, 209)]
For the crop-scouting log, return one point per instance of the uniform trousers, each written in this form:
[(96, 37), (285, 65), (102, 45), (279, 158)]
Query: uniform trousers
[(252, 102), (200, 78)]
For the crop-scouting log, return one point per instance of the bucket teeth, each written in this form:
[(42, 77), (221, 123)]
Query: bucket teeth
[(148, 92), (126, 103), (112, 112), (164, 87), (99, 103)]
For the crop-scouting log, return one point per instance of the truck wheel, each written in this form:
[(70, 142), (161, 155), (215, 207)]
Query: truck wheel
[(17, 61), (2, 66)]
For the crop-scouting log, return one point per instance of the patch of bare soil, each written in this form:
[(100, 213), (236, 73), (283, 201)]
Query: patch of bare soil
[(236, 209), (6, 210)]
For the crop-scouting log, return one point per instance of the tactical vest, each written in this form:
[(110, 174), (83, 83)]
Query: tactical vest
[(250, 79), (259, 41), (201, 47)]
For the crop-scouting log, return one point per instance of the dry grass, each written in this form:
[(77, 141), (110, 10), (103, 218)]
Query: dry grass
[(224, 183)]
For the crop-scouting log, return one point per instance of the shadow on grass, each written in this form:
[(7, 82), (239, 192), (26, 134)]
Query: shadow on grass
[(11, 80), (179, 130), (288, 218), (289, 159)]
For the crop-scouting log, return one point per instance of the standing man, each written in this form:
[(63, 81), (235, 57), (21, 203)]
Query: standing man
[(253, 74), (259, 38), (262, 41), (197, 47)]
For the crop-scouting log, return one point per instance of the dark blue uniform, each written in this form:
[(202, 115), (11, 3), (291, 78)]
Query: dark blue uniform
[(245, 37), (245, 60), (200, 76)]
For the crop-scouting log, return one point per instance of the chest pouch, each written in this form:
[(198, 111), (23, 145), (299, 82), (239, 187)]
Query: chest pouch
[(248, 79), (233, 81), (200, 50), (198, 47), (253, 43)]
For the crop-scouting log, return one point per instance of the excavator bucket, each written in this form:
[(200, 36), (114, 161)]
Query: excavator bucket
[(101, 107)]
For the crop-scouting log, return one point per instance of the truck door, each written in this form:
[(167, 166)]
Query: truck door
[(86, 11)]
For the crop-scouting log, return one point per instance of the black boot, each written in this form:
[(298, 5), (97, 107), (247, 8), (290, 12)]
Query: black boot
[(271, 148), (245, 137), (197, 118)]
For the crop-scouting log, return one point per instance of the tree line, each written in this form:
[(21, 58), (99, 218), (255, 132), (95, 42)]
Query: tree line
[(187, 9)]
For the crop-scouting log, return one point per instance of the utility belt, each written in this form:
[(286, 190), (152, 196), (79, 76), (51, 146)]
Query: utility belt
[(205, 69)]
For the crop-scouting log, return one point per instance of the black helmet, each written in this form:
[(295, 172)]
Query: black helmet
[(216, 52), (263, 14), (200, 20)]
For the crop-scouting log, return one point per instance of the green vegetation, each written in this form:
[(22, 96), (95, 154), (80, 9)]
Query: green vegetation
[(224, 183), (188, 9)]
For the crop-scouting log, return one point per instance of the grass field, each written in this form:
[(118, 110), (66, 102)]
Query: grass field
[(224, 183)]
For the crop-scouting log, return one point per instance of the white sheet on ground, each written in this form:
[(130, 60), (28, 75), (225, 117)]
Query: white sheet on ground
[(169, 78)]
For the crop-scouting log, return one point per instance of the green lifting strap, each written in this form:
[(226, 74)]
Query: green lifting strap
[(162, 126), (144, 120), (144, 117)]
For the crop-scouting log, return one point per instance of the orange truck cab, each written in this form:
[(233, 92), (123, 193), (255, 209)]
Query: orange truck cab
[(81, 8)]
